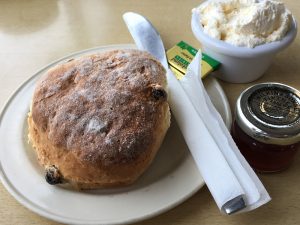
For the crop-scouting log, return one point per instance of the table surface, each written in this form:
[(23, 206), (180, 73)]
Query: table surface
[(34, 33)]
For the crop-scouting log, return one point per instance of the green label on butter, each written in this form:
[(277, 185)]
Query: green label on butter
[(189, 48), (181, 55)]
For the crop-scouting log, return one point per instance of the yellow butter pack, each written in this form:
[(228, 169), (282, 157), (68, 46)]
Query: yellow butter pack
[(181, 55)]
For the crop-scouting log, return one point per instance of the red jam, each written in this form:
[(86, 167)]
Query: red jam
[(261, 156), (266, 128)]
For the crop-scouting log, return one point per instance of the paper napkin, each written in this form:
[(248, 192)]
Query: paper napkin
[(224, 170)]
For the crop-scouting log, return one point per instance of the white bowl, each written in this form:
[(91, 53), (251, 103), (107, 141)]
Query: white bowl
[(240, 64)]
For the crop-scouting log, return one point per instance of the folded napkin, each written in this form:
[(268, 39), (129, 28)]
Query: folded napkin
[(231, 181)]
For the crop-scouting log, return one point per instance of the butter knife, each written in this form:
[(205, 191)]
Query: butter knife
[(145, 36), (148, 39)]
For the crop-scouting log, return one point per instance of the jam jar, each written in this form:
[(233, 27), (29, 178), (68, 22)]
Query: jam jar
[(266, 127)]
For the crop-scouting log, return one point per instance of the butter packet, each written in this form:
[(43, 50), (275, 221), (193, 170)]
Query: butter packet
[(180, 56)]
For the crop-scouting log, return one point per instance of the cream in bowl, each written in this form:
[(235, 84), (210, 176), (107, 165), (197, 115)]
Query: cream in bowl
[(244, 35)]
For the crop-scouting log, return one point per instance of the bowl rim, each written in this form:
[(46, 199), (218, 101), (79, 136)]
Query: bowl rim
[(225, 48)]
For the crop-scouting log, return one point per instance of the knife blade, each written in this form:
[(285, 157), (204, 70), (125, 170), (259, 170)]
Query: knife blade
[(145, 36)]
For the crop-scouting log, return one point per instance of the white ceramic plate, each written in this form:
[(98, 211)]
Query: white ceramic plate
[(171, 179)]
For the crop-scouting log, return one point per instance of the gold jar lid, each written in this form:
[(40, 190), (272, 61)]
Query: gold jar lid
[(270, 113)]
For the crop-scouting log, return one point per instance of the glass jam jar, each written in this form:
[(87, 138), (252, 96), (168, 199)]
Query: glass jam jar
[(266, 127)]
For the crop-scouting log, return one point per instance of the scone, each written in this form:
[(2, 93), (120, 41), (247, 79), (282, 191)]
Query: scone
[(98, 121)]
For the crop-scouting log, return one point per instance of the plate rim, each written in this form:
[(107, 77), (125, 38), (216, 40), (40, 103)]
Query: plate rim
[(23, 200)]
